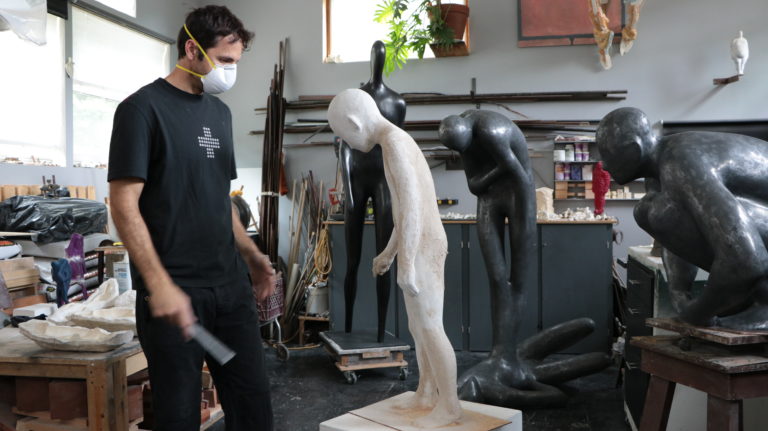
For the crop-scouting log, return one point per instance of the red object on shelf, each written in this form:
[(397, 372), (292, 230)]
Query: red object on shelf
[(601, 183)]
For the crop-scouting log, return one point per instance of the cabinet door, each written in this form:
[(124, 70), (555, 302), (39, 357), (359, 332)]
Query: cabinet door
[(452, 300), (365, 314), (576, 280), (479, 297)]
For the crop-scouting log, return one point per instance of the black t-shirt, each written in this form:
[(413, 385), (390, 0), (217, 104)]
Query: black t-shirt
[(180, 144)]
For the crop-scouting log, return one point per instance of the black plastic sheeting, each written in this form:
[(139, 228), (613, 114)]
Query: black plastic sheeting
[(52, 219)]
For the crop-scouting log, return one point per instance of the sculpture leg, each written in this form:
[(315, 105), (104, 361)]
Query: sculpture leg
[(382, 207), (680, 277), (425, 314), (354, 218), (425, 396), (490, 231), (502, 370)]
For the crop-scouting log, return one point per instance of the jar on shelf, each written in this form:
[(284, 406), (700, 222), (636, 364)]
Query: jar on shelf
[(559, 172)]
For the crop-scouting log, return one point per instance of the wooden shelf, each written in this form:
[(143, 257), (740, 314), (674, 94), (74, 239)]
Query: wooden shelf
[(433, 125), (322, 101)]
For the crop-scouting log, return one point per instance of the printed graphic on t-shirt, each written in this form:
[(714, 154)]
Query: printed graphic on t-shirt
[(208, 142)]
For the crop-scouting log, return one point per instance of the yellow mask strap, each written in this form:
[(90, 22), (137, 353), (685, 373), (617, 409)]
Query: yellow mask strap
[(189, 71), (201, 49)]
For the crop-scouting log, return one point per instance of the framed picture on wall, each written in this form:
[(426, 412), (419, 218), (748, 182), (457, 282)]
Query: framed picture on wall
[(561, 22)]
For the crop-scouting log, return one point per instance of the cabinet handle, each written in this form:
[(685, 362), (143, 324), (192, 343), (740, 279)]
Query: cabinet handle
[(634, 281)]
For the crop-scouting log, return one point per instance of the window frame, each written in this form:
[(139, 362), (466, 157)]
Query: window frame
[(68, 108)]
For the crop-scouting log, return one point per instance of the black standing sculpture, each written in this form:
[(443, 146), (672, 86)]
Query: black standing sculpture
[(495, 156), (363, 175), (706, 202)]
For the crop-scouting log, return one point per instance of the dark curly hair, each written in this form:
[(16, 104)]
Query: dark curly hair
[(210, 23)]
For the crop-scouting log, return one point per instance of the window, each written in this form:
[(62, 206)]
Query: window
[(110, 63), (127, 7), (32, 112), (350, 30)]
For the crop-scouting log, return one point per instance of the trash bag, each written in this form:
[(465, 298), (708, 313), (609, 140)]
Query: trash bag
[(52, 219)]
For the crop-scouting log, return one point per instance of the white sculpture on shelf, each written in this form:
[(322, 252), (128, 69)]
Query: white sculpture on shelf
[(419, 243), (740, 52), (73, 338)]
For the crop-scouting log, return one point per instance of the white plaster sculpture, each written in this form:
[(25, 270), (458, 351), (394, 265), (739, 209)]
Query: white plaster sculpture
[(419, 243), (104, 297), (110, 319), (740, 52), (73, 338)]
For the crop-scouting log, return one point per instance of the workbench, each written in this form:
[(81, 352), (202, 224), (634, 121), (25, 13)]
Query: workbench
[(105, 373)]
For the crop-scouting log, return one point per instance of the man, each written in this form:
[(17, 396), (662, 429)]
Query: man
[(171, 163), (705, 202)]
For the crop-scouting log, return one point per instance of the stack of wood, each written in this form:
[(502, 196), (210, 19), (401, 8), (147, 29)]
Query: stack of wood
[(43, 404), (271, 158), (9, 190), (21, 278), (308, 235)]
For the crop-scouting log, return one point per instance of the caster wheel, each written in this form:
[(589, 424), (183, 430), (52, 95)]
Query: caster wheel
[(351, 377), (404, 372), (282, 352)]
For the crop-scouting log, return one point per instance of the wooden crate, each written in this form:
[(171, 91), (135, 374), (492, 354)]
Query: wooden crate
[(19, 273)]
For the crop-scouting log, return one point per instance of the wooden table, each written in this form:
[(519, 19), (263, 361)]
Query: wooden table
[(105, 373), (728, 374)]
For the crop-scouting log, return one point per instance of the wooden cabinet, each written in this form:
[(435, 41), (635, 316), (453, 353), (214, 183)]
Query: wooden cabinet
[(570, 278)]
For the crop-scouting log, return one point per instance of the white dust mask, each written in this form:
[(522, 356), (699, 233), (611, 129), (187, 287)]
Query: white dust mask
[(221, 77)]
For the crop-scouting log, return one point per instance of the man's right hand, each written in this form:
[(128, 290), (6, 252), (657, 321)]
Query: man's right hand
[(169, 302)]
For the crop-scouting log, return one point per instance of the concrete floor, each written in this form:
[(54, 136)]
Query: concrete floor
[(308, 389)]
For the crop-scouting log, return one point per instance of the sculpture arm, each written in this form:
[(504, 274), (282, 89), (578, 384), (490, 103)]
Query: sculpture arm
[(383, 261), (507, 164), (407, 218)]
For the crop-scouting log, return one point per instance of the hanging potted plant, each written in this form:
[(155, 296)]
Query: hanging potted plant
[(416, 24)]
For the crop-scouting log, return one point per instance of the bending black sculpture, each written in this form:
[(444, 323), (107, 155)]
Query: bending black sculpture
[(705, 202), (363, 175), (495, 156)]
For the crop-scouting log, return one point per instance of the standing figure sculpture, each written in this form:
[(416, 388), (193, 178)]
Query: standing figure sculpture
[(705, 203), (363, 175), (419, 243), (516, 374), (495, 157)]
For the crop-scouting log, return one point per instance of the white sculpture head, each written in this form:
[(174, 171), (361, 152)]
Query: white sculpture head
[(354, 116)]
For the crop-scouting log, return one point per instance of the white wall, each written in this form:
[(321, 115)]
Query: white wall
[(682, 46)]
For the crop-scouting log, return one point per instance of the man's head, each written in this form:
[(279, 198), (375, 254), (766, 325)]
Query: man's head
[(210, 25), (455, 133), (353, 116), (624, 140), (210, 44)]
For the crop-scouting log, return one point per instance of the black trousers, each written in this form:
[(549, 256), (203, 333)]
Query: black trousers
[(229, 312)]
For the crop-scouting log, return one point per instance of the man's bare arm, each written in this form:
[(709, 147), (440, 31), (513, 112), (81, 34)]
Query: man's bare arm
[(259, 266), (167, 300)]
